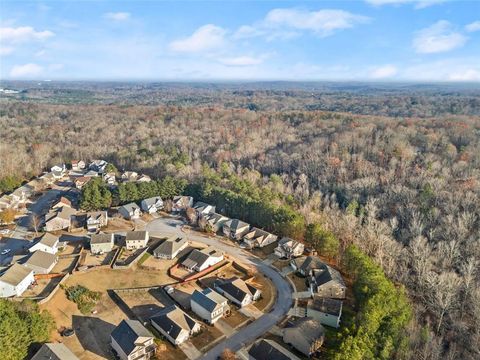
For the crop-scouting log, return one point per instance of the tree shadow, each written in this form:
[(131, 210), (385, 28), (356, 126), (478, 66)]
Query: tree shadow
[(94, 334)]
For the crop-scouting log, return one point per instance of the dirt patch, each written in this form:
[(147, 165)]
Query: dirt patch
[(235, 318), (145, 304), (63, 265), (267, 289), (158, 264), (118, 224), (204, 340), (264, 252), (299, 281), (165, 350)]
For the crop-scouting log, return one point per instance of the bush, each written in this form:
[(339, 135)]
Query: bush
[(83, 297)]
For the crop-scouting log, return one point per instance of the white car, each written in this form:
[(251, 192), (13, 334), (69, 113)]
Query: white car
[(6, 251), (4, 231)]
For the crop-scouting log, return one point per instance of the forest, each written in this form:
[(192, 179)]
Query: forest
[(392, 173)]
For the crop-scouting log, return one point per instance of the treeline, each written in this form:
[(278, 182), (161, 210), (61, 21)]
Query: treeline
[(22, 324), (9, 183)]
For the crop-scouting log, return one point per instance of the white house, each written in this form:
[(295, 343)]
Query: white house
[(181, 203), (41, 262), (289, 248), (54, 351), (199, 260), (209, 305), (131, 340), (237, 291), (170, 248), (175, 324), (15, 280), (96, 220), (48, 243), (152, 205), (101, 243), (130, 211), (136, 239), (235, 229), (327, 311), (202, 208), (58, 171), (78, 165)]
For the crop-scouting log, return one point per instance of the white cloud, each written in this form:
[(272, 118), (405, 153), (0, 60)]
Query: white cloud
[(454, 69), (419, 4), (465, 75), (242, 60), (472, 27), (206, 37), (439, 37), (382, 72), (117, 16), (288, 23), (23, 34), (27, 70), (6, 50)]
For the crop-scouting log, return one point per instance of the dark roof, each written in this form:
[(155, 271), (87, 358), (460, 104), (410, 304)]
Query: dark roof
[(101, 239), (237, 288), (326, 274), (136, 235), (169, 246), (208, 299), (326, 305), (309, 328), (127, 333), (235, 224), (198, 257), (172, 320), (310, 263), (270, 350), (54, 352)]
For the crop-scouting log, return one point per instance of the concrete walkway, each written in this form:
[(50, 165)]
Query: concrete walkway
[(251, 311), (286, 271), (190, 350), (226, 329), (302, 295)]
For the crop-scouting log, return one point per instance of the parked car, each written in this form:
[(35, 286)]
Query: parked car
[(68, 332), (5, 251)]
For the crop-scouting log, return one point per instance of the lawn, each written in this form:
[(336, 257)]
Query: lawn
[(204, 340), (236, 318), (268, 292), (299, 281)]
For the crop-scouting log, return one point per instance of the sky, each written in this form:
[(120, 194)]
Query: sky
[(361, 40)]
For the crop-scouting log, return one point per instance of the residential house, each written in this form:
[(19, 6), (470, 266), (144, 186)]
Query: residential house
[(235, 229), (41, 262), (129, 176), (258, 238), (136, 239), (98, 166), (48, 243), (132, 341), (152, 205), (214, 220), (78, 165), (81, 181), (305, 264), (202, 208), (63, 201), (327, 311), (181, 203), (110, 178), (58, 171), (289, 248), (144, 178), (209, 305), (327, 282), (21, 194), (306, 335), (270, 350), (130, 211), (59, 219), (51, 351), (170, 248), (199, 260), (96, 220), (15, 280), (237, 291), (91, 173), (101, 243), (175, 324)]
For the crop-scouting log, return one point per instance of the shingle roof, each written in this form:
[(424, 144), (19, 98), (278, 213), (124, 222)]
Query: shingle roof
[(309, 328), (326, 305), (208, 299), (41, 259), (235, 224), (198, 257), (54, 352), (15, 274), (131, 207), (310, 263), (49, 240), (127, 333), (172, 320), (325, 274), (237, 288), (136, 235), (152, 201), (170, 246), (101, 239), (270, 350)]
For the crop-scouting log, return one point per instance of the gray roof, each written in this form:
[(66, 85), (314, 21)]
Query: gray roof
[(309, 328), (97, 214), (131, 207), (41, 259), (237, 288), (170, 246), (54, 352), (235, 224), (64, 212), (172, 320), (326, 305), (198, 257), (101, 239), (270, 350), (128, 332), (208, 299), (310, 263), (49, 240), (15, 274), (326, 274), (152, 201), (136, 235)]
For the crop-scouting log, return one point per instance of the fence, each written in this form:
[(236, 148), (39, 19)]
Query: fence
[(117, 265)]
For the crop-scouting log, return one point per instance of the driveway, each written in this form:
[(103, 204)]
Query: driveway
[(256, 329)]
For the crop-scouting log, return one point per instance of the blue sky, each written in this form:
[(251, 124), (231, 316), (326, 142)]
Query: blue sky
[(377, 40)]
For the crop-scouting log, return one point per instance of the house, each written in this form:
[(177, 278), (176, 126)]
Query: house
[(78, 165), (59, 219), (136, 239), (48, 243), (181, 203), (63, 201), (237, 291), (15, 280), (81, 181), (306, 335), (96, 220), (258, 238), (327, 282), (209, 305), (130, 211), (21, 194), (305, 264), (289, 248), (235, 229), (214, 220), (144, 178), (58, 171), (199, 260), (327, 311), (41, 262), (131, 340), (175, 324), (51, 351), (110, 178), (91, 173), (152, 205), (101, 243), (170, 248), (98, 166), (129, 176), (270, 350), (203, 208)]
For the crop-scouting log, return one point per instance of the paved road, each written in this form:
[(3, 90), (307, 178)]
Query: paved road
[(256, 329)]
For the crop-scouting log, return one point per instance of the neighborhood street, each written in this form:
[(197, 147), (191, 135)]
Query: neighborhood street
[(260, 326)]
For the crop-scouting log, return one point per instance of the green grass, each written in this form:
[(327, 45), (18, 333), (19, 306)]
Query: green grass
[(143, 258)]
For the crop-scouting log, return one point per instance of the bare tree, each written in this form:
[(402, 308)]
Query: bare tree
[(35, 222)]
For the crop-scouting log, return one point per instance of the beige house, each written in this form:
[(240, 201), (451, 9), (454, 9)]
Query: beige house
[(136, 239), (175, 324), (288, 248), (132, 341), (306, 335), (258, 238), (41, 262), (327, 282), (59, 219), (101, 243)]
